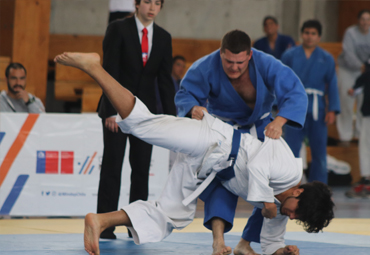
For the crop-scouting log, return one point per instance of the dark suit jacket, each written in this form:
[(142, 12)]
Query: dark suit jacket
[(123, 61)]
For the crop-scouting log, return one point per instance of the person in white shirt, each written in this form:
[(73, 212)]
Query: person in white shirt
[(351, 63), (265, 174)]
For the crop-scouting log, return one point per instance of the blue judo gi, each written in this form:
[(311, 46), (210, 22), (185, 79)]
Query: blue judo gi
[(283, 42), (206, 81), (319, 79)]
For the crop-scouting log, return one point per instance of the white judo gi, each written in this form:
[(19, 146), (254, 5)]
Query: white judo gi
[(262, 170)]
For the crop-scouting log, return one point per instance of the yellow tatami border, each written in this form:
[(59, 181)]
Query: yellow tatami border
[(73, 226)]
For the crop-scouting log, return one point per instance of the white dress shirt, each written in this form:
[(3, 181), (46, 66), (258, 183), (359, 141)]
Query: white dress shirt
[(140, 27)]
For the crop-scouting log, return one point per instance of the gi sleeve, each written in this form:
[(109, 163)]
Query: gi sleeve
[(194, 90), (259, 174), (290, 94), (349, 52), (332, 87), (258, 186), (272, 234)]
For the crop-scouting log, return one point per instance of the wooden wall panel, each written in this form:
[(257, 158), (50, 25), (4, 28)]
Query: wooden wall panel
[(193, 49), (31, 41), (6, 27), (4, 62), (60, 43), (348, 10)]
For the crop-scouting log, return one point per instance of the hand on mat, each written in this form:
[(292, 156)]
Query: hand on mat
[(269, 211), (291, 250), (287, 250), (111, 124), (197, 112), (275, 128)]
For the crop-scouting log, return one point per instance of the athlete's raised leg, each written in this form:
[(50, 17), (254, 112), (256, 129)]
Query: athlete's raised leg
[(121, 98), (158, 130)]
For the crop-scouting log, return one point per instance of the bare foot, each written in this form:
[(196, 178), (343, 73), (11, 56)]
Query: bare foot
[(244, 248), (83, 61), (219, 248), (92, 233)]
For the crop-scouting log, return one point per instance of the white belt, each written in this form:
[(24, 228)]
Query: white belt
[(315, 103), (196, 193)]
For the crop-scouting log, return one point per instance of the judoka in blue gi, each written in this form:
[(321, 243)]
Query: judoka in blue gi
[(240, 84), (316, 69), (273, 43)]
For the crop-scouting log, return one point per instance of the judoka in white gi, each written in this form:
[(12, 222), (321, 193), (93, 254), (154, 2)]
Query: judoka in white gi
[(266, 174)]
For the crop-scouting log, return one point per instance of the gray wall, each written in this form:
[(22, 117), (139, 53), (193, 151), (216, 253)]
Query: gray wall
[(86, 17), (202, 19)]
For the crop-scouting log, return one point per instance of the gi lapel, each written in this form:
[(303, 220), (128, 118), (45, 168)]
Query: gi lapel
[(228, 88), (308, 66)]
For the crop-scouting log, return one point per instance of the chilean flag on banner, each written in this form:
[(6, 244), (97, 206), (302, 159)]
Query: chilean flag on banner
[(48, 162)]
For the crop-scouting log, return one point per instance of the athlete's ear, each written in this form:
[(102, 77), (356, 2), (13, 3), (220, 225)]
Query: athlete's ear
[(250, 54), (297, 192)]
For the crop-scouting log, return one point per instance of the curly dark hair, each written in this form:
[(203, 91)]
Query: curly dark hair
[(315, 206)]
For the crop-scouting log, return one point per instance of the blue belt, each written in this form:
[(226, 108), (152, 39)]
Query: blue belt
[(227, 173)]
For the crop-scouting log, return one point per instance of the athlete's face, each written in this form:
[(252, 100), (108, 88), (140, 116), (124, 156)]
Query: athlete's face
[(235, 65), (310, 37), (147, 10), (270, 27), (16, 80), (289, 207)]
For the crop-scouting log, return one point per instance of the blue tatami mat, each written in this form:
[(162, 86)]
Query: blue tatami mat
[(177, 243)]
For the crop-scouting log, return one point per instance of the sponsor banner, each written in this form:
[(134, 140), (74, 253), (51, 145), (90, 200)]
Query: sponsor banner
[(50, 165)]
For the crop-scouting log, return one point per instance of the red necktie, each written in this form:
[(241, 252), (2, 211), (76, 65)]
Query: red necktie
[(144, 46)]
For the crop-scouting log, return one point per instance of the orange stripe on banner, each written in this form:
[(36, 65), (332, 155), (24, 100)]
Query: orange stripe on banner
[(91, 160), (17, 146)]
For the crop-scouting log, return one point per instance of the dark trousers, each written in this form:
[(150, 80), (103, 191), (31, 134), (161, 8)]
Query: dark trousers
[(111, 169)]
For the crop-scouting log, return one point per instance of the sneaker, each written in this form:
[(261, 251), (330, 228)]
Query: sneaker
[(360, 189)]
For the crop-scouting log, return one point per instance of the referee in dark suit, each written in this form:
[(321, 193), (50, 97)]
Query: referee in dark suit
[(136, 52)]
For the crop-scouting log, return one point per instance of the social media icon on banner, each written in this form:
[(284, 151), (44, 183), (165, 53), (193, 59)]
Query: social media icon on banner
[(48, 162)]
